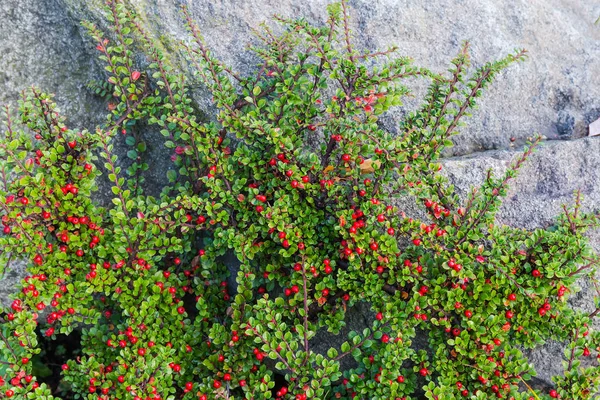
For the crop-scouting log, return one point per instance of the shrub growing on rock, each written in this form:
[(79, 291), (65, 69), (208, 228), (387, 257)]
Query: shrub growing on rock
[(296, 178)]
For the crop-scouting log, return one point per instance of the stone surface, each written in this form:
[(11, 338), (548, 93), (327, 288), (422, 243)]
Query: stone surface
[(556, 93), (41, 45), (9, 283)]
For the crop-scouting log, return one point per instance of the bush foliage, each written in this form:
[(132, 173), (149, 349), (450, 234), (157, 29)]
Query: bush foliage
[(296, 178)]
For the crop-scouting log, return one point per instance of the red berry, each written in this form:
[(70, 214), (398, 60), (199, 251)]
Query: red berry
[(536, 273), (542, 311), (554, 394), (512, 297), (509, 314), (216, 384)]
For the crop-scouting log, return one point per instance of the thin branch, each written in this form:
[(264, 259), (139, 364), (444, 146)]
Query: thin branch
[(572, 356), (305, 317), (347, 31)]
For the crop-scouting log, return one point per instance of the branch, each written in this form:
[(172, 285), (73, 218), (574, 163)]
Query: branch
[(305, 317)]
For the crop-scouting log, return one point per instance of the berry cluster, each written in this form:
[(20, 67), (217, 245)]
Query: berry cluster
[(300, 184)]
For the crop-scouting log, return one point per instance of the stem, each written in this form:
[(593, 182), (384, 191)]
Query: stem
[(8, 346), (283, 360), (347, 31), (18, 223), (131, 108), (584, 267), (455, 80), (370, 336), (572, 356), (118, 27), (502, 185), (305, 317)]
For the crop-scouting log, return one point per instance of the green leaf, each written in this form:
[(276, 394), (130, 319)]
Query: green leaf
[(332, 353)]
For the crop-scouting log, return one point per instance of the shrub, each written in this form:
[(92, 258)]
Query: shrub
[(297, 179)]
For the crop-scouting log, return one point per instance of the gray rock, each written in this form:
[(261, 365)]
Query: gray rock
[(546, 181), (555, 93), (40, 45), (10, 281)]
